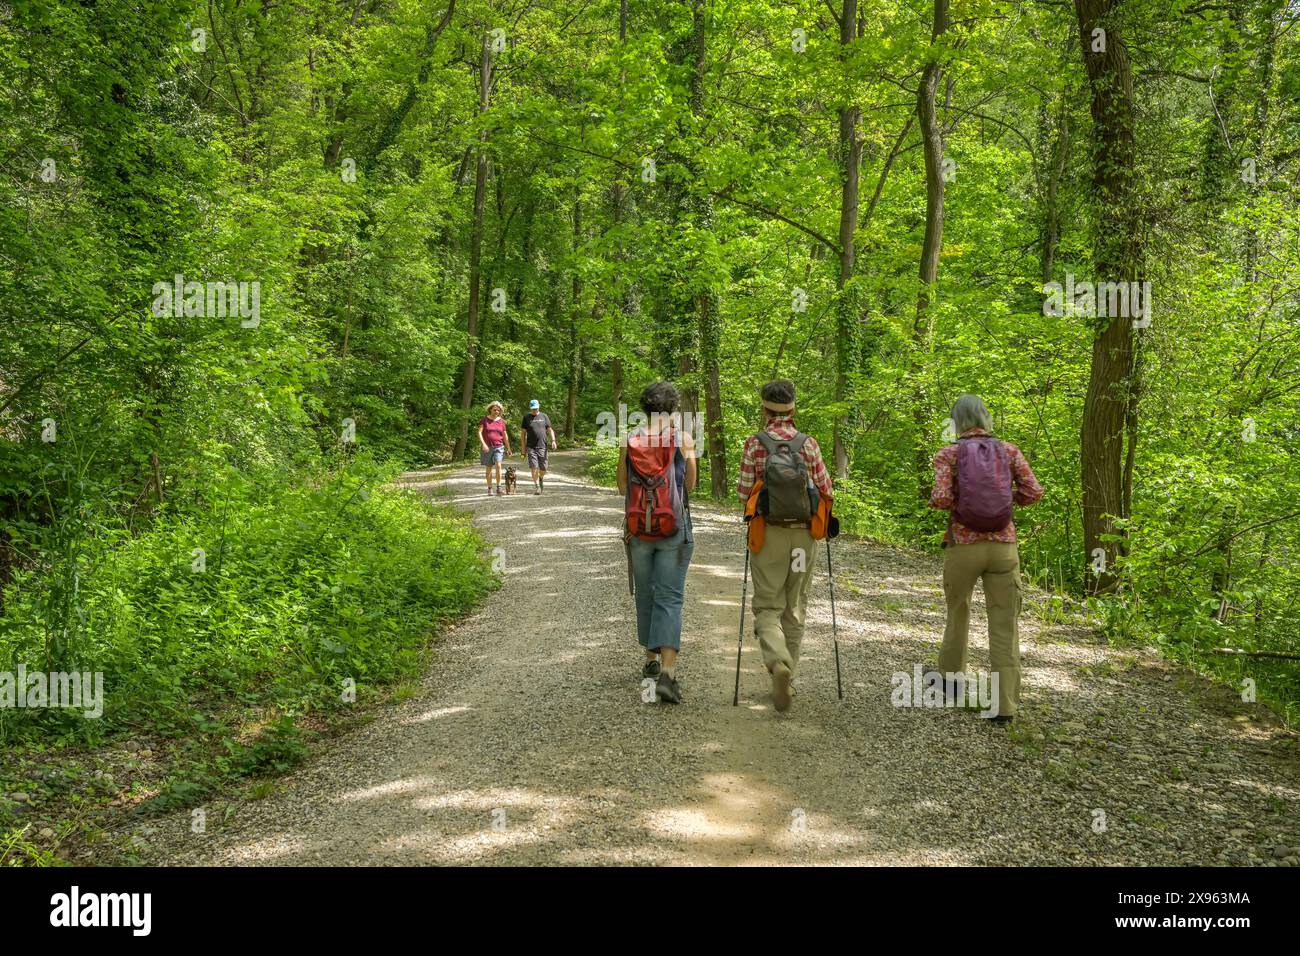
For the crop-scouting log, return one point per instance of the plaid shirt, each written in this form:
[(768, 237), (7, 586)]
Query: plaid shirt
[(754, 461), (1025, 491)]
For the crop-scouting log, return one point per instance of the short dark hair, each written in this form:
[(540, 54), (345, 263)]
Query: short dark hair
[(659, 397), (779, 392)]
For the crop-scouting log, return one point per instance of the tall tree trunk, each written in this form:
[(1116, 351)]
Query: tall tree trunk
[(1266, 29), (1051, 211), (575, 347), (692, 314), (932, 245), (475, 254), (618, 196), (846, 313), (1109, 406), (706, 300)]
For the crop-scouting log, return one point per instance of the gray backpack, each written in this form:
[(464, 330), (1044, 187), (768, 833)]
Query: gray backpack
[(786, 497)]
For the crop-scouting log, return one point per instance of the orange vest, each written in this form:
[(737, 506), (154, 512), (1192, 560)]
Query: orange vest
[(758, 526)]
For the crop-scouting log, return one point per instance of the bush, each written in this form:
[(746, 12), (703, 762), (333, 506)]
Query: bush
[(303, 584), (858, 506), (602, 465)]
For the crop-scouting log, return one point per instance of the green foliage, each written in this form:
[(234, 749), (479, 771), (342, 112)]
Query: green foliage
[(129, 157), (309, 581), (602, 464)]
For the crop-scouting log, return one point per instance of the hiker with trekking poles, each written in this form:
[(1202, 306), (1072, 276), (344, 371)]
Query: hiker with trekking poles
[(657, 471), (787, 494), (978, 479)]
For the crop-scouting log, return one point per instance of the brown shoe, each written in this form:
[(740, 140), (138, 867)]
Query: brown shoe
[(781, 687)]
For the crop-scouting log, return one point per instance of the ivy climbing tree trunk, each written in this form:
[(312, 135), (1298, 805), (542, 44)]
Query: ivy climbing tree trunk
[(846, 313), (575, 344), (1109, 410), (706, 297), (932, 245), (618, 211)]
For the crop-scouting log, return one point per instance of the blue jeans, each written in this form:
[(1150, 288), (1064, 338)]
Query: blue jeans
[(659, 570)]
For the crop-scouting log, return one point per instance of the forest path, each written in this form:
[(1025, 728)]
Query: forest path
[(532, 707)]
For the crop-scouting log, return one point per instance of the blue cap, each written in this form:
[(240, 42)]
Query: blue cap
[(534, 404)]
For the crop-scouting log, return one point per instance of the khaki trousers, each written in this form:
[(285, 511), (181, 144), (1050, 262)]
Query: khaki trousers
[(998, 564), (783, 572)]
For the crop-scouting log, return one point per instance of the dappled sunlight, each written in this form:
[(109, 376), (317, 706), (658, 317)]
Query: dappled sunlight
[(437, 713), (719, 570), (685, 824), (399, 787), (267, 851), (570, 533), (1056, 678), (530, 749)]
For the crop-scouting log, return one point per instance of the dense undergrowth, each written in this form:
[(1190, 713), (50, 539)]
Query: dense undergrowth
[(228, 635)]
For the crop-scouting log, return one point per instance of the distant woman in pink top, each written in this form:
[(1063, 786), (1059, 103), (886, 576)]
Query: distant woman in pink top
[(978, 479), (494, 440)]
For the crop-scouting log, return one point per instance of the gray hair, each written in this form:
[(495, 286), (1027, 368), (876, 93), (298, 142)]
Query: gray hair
[(969, 412)]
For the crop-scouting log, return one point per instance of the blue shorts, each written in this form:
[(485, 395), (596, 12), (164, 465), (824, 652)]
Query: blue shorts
[(494, 457)]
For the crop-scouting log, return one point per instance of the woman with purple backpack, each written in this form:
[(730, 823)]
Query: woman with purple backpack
[(977, 479)]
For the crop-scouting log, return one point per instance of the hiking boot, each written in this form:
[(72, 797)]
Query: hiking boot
[(651, 669), (781, 687), (936, 678), (667, 691), (998, 719)]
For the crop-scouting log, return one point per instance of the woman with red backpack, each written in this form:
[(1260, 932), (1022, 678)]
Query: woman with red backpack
[(978, 478), (657, 471)]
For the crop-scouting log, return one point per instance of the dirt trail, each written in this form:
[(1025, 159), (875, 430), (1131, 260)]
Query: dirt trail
[(528, 742)]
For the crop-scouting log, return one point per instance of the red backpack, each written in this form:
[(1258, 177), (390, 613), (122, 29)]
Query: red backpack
[(653, 507)]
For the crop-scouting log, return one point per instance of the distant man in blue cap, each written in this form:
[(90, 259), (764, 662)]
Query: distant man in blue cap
[(533, 439)]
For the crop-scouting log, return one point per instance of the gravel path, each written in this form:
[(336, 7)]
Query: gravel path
[(528, 742)]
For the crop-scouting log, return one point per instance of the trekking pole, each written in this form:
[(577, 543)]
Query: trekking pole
[(744, 590), (835, 633)]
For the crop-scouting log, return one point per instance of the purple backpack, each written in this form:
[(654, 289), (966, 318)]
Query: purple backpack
[(983, 484)]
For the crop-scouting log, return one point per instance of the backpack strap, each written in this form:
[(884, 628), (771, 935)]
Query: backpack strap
[(771, 442)]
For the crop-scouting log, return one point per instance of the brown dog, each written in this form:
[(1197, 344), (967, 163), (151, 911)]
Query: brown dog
[(510, 480)]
